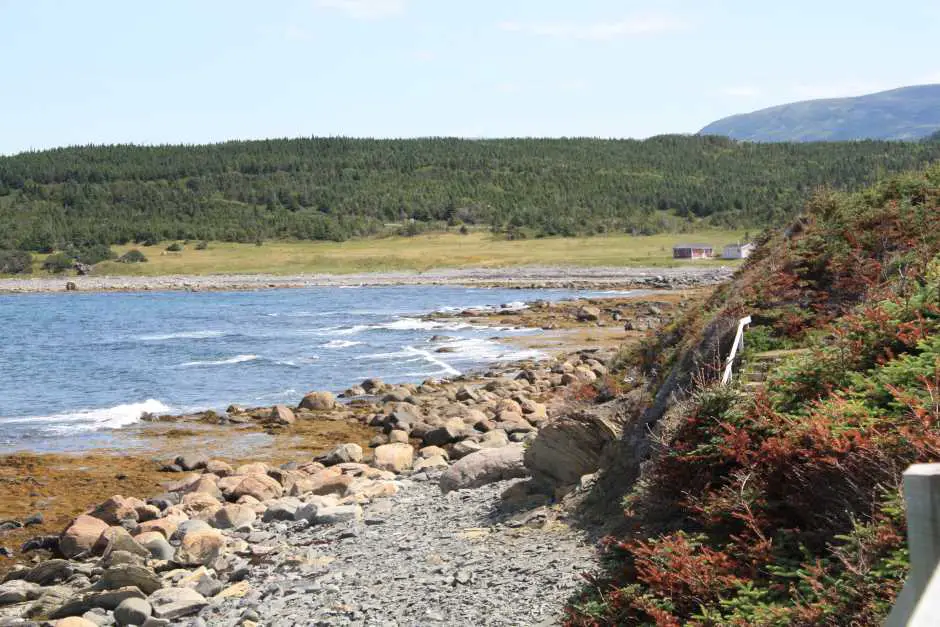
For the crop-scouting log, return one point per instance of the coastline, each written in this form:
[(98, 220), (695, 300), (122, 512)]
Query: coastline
[(510, 277), (577, 344)]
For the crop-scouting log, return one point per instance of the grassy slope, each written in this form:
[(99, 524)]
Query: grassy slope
[(424, 252)]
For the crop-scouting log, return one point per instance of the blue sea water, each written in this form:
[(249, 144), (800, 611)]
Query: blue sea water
[(74, 364)]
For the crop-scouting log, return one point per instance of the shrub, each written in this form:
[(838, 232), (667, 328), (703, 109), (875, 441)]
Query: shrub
[(93, 254), (203, 245), (58, 262), (15, 262), (132, 256), (175, 247)]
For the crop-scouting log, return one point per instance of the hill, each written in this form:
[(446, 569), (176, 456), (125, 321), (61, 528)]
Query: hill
[(908, 113), (337, 188), (775, 501)]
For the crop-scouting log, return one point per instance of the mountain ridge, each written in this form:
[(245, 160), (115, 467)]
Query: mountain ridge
[(906, 113)]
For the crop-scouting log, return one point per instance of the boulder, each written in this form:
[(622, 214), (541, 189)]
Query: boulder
[(282, 509), (218, 468), (118, 539), (282, 415), (483, 467), (18, 591), (74, 621), (262, 487), (398, 436), (172, 603), (191, 461), (157, 544), (425, 463), (318, 401), (233, 517), (129, 575), (118, 508), (452, 430), (49, 572), (254, 468), (166, 525), (496, 438), (343, 453), (588, 313), (330, 481), (393, 457), (464, 448), (337, 514), (81, 536), (432, 451), (87, 601), (200, 548), (571, 446), (373, 386), (206, 484), (200, 505), (132, 612)]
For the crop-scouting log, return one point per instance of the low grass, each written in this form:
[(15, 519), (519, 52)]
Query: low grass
[(419, 253)]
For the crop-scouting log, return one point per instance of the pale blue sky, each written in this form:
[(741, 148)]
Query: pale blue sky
[(193, 71)]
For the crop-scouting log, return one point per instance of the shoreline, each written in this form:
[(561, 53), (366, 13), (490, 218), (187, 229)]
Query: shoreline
[(513, 277)]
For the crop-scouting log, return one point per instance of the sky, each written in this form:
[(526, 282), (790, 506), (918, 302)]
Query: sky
[(197, 71)]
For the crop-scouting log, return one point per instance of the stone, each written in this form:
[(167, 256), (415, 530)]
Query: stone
[(464, 448), (157, 544), (398, 436), (172, 603), (483, 467), (372, 386), (337, 514), (166, 525), (18, 591), (262, 487), (318, 401), (118, 539), (101, 600), (396, 395), (378, 440), (191, 461), (206, 484), (75, 621), (254, 468), (451, 431), (426, 463), (51, 599), (233, 517), (200, 505), (466, 394), (282, 415), (49, 572), (572, 446), (200, 548), (588, 314), (81, 536), (125, 575), (343, 453), (118, 508), (432, 451), (219, 468), (393, 457), (282, 509), (494, 439), (132, 612)]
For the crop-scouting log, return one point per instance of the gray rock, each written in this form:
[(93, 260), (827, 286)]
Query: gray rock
[(171, 603), (18, 590), (132, 612), (191, 461), (282, 509), (159, 548), (48, 572), (342, 454), (105, 600), (483, 467), (338, 514), (124, 575), (233, 517)]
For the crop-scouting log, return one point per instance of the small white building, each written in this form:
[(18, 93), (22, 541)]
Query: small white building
[(738, 251)]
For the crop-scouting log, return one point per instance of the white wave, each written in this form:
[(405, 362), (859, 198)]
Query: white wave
[(184, 335), (288, 393), (480, 350), (340, 344), (444, 366), (92, 419), (237, 359), (350, 287)]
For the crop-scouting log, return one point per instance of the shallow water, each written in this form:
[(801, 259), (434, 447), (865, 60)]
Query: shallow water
[(72, 365)]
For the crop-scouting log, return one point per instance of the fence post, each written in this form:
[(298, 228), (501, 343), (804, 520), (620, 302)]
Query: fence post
[(922, 496)]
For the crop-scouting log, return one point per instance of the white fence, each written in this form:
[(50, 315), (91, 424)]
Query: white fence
[(918, 605), (737, 347)]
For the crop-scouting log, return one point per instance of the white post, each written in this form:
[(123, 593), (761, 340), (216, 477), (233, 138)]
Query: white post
[(922, 496)]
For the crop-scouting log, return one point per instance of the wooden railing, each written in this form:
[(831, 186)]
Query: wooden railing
[(737, 347), (918, 604)]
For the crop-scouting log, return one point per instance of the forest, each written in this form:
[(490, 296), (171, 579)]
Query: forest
[(338, 188)]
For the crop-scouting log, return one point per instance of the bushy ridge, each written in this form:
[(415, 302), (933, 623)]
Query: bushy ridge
[(781, 505), (336, 188)]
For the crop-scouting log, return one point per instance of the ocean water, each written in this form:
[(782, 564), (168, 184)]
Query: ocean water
[(72, 365)]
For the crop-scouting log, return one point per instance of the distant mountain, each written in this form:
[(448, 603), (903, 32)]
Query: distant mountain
[(908, 113)]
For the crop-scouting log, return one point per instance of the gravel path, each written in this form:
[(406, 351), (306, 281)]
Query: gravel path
[(598, 277), (419, 558)]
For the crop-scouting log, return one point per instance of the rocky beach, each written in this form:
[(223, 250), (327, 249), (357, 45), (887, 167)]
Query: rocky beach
[(445, 502)]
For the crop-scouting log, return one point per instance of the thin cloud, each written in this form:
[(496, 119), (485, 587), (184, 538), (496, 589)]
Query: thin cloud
[(636, 26), (741, 92), (364, 9), (845, 89)]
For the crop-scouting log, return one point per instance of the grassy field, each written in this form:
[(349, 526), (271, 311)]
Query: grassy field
[(424, 252)]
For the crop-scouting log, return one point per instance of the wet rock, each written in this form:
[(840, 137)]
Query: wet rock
[(483, 467)]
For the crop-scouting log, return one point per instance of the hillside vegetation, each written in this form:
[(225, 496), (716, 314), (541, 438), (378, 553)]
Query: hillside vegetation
[(337, 188), (779, 504), (909, 113)]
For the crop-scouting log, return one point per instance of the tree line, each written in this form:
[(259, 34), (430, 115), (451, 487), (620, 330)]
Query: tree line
[(337, 188)]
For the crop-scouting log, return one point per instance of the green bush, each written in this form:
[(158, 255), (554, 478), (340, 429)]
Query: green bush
[(203, 245), (175, 247), (58, 262), (15, 262), (93, 254), (132, 256)]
